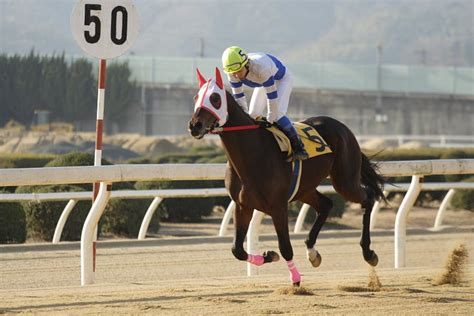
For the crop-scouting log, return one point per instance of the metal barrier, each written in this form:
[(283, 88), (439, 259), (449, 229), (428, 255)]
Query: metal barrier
[(167, 172)]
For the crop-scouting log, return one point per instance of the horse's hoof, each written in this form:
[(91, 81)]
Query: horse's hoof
[(296, 284), (314, 257), (270, 256), (374, 259)]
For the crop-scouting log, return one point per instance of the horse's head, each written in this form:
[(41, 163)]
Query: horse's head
[(210, 106)]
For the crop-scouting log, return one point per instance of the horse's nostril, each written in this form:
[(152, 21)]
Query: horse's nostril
[(198, 125)]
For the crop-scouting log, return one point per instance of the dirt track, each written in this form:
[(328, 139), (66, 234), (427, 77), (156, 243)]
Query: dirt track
[(194, 277)]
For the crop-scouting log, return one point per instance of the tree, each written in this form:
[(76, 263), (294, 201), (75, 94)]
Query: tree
[(4, 95), (28, 96), (54, 85), (81, 92), (120, 92)]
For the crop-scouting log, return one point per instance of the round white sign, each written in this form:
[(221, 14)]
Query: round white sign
[(105, 28)]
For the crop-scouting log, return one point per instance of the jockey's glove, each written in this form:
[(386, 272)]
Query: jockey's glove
[(273, 114)]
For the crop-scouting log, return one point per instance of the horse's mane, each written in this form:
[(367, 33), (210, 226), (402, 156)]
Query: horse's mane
[(236, 112)]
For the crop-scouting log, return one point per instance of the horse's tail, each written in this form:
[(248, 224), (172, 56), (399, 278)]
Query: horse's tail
[(372, 179)]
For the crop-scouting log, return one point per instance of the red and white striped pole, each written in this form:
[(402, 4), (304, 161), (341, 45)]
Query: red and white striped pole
[(98, 136)]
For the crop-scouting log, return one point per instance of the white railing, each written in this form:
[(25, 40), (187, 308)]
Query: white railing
[(159, 195), (119, 173), (402, 187), (443, 141), (73, 197)]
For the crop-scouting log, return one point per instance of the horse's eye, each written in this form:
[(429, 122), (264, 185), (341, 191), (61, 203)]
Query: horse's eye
[(195, 98), (215, 99)]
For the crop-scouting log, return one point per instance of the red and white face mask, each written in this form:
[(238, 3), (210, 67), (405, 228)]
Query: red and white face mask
[(212, 97)]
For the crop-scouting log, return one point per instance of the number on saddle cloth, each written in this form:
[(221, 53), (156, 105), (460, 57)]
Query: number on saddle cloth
[(314, 144)]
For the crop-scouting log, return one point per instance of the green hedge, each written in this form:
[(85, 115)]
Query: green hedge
[(185, 209), (464, 199), (124, 217), (24, 160), (202, 154), (338, 209), (13, 222), (121, 217), (42, 217)]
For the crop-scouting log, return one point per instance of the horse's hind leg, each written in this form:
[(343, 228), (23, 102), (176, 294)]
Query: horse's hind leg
[(322, 204), (280, 221), (369, 255), (242, 217), (366, 198)]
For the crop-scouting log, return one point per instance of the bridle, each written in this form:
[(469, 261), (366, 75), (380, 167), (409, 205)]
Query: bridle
[(218, 130), (215, 127)]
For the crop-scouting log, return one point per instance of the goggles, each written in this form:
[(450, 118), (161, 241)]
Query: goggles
[(234, 67)]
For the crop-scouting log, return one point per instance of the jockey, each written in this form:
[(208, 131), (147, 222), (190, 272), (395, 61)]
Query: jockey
[(273, 83)]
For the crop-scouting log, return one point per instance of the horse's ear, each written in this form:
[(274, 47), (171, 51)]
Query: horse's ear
[(201, 79), (219, 82)]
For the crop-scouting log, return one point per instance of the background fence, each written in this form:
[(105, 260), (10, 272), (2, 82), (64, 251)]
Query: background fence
[(166, 172), (330, 76)]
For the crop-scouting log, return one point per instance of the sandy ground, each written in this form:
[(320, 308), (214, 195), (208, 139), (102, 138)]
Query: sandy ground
[(199, 276)]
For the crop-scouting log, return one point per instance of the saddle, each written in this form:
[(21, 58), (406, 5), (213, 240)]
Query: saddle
[(314, 144)]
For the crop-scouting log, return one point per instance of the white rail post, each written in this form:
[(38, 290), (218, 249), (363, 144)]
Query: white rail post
[(301, 217), (147, 219), (400, 221), (87, 236), (252, 240), (227, 216), (62, 220), (442, 208), (375, 211)]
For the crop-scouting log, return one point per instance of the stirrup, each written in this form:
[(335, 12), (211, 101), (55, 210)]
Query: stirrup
[(300, 155), (299, 152)]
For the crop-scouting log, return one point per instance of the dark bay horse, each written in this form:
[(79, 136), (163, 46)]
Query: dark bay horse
[(258, 175)]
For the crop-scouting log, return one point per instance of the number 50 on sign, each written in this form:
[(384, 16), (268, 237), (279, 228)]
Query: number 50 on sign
[(105, 28)]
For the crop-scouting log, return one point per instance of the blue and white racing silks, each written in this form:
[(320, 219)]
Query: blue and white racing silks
[(264, 70)]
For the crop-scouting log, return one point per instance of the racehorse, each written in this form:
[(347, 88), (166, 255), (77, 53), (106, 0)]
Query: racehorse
[(258, 174)]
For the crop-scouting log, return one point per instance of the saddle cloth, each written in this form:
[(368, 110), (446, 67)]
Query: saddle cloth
[(314, 144)]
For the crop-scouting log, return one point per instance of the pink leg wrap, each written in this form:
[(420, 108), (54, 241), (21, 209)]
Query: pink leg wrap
[(294, 274), (255, 259)]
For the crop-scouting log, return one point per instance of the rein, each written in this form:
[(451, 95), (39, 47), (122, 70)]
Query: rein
[(218, 130)]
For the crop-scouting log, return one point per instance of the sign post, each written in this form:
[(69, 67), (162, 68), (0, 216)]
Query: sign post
[(103, 29)]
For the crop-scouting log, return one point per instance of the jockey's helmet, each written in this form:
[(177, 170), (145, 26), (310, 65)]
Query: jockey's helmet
[(234, 59)]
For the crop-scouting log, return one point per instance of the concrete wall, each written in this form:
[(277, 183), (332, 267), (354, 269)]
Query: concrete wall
[(165, 110)]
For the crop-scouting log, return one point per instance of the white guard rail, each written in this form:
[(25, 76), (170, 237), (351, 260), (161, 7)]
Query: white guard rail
[(159, 195), (169, 172), (74, 197)]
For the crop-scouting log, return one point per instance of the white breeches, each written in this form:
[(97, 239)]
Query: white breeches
[(258, 102)]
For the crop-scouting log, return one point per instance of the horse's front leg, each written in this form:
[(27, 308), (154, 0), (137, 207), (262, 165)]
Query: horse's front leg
[(280, 221), (242, 217)]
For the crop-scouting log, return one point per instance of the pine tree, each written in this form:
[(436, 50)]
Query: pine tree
[(54, 85), (120, 93), (81, 92)]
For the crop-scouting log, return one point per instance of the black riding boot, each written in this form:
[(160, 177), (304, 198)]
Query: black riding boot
[(298, 148)]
